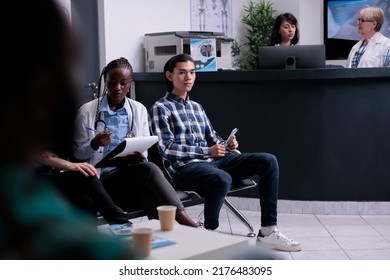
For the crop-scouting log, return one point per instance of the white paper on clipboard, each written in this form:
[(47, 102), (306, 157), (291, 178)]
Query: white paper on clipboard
[(127, 147)]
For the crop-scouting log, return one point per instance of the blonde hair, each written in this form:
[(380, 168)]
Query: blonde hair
[(374, 13)]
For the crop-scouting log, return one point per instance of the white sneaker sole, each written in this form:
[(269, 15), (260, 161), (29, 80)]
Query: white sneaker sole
[(295, 248)]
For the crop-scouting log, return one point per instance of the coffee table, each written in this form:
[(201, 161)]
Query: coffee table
[(191, 243)]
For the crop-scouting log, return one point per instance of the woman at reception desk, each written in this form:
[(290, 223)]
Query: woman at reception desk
[(285, 31)]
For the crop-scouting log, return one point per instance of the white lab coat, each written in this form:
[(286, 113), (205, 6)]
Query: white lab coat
[(86, 118), (377, 46)]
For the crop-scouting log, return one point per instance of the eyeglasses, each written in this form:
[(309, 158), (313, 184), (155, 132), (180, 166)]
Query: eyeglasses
[(360, 20)]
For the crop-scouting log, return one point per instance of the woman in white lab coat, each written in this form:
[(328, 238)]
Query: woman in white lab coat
[(374, 46)]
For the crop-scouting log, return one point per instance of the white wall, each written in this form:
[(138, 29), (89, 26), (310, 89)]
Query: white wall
[(311, 21), (126, 22), (291, 6), (123, 23), (309, 15)]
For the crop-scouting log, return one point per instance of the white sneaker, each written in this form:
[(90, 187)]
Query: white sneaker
[(201, 226), (278, 241)]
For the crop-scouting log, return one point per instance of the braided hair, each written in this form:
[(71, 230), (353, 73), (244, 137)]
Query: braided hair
[(114, 64)]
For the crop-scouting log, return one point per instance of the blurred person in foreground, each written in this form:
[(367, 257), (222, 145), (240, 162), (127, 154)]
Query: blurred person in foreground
[(40, 105), (369, 50)]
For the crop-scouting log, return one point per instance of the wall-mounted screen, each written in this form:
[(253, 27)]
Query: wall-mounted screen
[(340, 28)]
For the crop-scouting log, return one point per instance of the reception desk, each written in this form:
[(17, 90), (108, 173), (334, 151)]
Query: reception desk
[(329, 128)]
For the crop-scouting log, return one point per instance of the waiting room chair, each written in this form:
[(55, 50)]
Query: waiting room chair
[(188, 198), (155, 157)]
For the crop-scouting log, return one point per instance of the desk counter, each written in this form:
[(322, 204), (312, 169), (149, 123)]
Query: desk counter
[(329, 128)]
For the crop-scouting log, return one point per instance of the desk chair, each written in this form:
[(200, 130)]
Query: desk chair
[(155, 157)]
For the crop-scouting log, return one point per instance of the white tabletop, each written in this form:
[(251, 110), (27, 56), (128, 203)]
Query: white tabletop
[(192, 243)]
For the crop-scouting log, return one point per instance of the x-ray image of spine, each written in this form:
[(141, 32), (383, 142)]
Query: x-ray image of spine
[(202, 8), (214, 4), (224, 15), (211, 15)]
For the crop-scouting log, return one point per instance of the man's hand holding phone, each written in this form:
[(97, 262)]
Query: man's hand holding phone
[(230, 138), (231, 143)]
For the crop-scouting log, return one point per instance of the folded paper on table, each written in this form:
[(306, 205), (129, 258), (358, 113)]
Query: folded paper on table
[(159, 241), (121, 229), (127, 147)]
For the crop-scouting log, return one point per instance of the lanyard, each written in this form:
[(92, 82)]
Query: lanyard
[(103, 126), (358, 55)]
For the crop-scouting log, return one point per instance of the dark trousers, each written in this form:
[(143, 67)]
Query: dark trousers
[(88, 194), (140, 186), (214, 180)]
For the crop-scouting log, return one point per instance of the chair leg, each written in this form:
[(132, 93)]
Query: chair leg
[(240, 216), (200, 217)]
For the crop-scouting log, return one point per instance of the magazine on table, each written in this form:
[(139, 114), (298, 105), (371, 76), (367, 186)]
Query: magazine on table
[(124, 230), (121, 229)]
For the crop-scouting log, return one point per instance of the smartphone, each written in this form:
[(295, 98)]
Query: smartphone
[(234, 131)]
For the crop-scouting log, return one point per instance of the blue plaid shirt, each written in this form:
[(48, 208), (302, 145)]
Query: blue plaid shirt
[(184, 131)]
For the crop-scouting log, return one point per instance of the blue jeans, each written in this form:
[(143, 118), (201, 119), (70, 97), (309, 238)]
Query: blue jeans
[(214, 180)]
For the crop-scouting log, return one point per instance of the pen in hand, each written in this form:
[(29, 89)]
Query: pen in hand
[(91, 129), (97, 131)]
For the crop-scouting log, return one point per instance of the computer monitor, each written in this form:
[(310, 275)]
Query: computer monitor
[(292, 57)]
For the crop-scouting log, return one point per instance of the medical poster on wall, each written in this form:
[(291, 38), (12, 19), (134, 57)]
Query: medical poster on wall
[(204, 54), (212, 15)]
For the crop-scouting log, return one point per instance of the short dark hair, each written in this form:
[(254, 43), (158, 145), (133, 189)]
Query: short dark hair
[(171, 64), (275, 37)]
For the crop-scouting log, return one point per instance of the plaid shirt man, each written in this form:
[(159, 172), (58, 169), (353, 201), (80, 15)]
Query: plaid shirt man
[(184, 130)]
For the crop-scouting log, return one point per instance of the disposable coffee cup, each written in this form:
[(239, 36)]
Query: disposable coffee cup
[(166, 215), (142, 240)]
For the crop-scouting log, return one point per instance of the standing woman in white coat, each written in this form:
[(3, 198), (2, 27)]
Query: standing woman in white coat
[(368, 52)]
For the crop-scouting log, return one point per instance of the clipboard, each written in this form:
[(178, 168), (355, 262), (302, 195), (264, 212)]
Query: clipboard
[(126, 147)]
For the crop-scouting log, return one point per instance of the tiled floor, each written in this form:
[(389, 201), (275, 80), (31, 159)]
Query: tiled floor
[(323, 237)]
